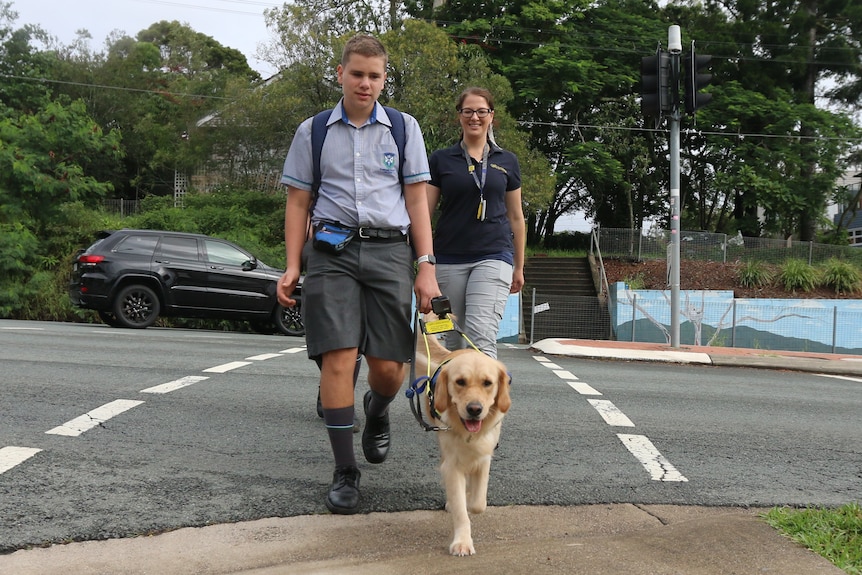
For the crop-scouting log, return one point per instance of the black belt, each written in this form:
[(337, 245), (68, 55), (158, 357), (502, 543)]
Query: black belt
[(380, 235)]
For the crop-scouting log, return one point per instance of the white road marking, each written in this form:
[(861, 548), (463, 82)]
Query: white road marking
[(263, 356), (94, 418), (848, 378), (551, 365), (292, 350), (23, 329), (541, 358), (582, 388), (12, 456), (563, 374), (225, 367), (642, 448), (610, 413), (175, 385)]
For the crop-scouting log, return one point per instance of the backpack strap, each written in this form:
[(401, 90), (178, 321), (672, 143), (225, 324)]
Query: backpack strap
[(318, 135), (399, 134)]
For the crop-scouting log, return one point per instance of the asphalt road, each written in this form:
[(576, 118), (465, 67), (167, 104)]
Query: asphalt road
[(141, 431)]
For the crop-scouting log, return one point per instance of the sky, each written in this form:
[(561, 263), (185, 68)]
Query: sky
[(236, 24)]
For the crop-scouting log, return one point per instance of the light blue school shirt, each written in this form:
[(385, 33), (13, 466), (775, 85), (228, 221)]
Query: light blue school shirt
[(359, 184)]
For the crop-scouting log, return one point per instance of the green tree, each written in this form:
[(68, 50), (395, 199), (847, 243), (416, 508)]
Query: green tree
[(572, 69), (154, 89)]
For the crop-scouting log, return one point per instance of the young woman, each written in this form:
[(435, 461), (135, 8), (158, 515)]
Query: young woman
[(480, 236)]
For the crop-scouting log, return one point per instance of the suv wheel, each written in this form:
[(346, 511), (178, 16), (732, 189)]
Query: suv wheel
[(136, 306), (288, 320)]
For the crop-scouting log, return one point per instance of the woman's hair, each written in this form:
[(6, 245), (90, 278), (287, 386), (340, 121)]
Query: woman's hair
[(475, 91), (364, 45)]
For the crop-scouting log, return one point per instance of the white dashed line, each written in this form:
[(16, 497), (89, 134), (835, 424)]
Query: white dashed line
[(263, 356), (292, 350), (225, 367), (610, 413), (582, 388), (94, 418), (655, 463), (12, 456), (640, 446), (175, 385)]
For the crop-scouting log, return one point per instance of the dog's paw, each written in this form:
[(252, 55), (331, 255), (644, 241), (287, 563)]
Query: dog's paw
[(462, 548)]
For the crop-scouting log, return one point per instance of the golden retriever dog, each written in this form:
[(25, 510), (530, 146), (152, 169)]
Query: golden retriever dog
[(471, 396)]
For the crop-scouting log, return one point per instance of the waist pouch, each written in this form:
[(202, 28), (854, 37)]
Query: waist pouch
[(331, 238)]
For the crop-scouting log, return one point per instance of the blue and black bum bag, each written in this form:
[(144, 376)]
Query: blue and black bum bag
[(331, 238)]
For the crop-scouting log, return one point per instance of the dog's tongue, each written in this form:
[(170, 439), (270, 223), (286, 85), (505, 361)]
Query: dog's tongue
[(473, 425)]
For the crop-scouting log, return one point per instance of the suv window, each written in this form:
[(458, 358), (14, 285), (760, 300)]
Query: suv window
[(137, 245), (221, 253), (174, 247)]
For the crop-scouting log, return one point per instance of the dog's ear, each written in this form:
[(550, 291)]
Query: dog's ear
[(503, 401), (441, 391)]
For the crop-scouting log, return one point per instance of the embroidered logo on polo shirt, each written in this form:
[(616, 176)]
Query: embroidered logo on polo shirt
[(388, 162)]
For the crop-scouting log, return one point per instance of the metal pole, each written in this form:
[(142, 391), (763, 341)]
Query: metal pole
[(533, 317), (673, 43)]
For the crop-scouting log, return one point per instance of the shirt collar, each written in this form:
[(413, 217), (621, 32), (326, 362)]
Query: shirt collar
[(378, 114)]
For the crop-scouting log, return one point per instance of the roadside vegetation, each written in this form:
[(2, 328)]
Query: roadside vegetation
[(836, 534)]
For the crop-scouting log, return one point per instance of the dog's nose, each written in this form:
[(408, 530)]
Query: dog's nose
[(474, 409)]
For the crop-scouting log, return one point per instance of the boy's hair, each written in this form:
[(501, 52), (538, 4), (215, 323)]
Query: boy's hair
[(364, 45)]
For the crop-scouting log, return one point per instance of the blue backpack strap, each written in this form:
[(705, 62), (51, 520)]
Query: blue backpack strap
[(399, 134), (318, 134)]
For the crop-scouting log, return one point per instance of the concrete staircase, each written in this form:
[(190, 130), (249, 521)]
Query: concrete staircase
[(566, 293)]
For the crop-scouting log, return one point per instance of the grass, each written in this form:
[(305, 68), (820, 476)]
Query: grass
[(554, 253), (755, 274), (836, 534), (798, 275), (841, 275)]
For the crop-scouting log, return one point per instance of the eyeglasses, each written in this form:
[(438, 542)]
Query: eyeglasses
[(468, 113)]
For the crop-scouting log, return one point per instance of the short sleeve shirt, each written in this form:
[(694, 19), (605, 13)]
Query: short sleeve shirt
[(460, 236), (359, 185)]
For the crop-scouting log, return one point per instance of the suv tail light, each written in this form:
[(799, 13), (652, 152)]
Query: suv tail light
[(91, 259)]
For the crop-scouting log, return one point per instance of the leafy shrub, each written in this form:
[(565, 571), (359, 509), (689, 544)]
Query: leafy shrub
[(636, 282), (798, 275), (755, 274), (841, 275)]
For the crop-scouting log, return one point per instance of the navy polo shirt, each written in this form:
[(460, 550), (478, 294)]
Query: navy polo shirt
[(459, 236)]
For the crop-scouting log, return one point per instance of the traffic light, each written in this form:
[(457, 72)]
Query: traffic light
[(694, 81), (655, 83)]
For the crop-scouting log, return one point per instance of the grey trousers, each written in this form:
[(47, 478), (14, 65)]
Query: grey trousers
[(478, 293)]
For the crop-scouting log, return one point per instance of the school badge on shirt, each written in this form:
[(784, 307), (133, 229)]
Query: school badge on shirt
[(388, 162)]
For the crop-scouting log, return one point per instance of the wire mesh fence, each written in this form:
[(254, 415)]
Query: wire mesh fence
[(122, 207), (577, 317), (640, 245)]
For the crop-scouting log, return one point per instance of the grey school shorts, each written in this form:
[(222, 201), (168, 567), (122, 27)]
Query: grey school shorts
[(360, 298)]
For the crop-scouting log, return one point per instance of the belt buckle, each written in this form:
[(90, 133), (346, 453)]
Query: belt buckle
[(363, 234)]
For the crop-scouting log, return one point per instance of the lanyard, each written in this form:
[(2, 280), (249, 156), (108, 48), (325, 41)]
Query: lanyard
[(472, 169)]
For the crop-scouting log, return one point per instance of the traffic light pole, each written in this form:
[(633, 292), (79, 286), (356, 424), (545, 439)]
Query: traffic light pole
[(674, 226), (675, 47), (660, 83)]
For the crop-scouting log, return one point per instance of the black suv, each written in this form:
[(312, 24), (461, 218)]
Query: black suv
[(131, 277)]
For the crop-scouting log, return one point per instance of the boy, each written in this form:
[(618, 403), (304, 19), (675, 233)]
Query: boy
[(359, 299)]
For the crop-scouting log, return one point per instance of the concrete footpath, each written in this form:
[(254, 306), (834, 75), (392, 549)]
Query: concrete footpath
[(608, 539)]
